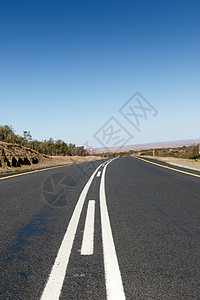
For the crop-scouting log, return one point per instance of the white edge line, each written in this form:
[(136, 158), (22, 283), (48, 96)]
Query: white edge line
[(88, 236), (114, 285), (54, 284)]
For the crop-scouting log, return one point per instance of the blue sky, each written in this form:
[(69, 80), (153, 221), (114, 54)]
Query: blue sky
[(66, 67)]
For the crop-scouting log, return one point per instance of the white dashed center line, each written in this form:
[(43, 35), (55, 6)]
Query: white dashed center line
[(88, 236), (114, 286), (98, 174)]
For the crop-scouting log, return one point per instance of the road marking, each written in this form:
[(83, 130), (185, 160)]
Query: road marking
[(88, 236), (182, 166), (150, 162), (54, 284), (30, 172), (114, 286), (98, 174)]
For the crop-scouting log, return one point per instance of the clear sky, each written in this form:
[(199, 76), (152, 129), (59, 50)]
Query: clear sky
[(67, 67)]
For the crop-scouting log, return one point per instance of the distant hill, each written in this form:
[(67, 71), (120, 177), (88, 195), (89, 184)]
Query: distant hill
[(138, 147)]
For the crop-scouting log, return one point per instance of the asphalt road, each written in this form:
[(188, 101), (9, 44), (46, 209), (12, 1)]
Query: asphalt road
[(127, 229)]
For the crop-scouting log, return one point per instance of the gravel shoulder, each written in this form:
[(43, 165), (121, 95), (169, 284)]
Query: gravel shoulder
[(188, 163)]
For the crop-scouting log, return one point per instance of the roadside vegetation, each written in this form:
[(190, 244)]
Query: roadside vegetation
[(190, 152), (47, 147), (24, 153)]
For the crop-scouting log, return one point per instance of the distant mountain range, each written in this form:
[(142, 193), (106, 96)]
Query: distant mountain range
[(138, 147)]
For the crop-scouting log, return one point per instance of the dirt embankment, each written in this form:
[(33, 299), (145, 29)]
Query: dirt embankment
[(13, 155), (15, 158)]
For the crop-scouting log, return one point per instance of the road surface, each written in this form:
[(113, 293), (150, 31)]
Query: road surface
[(125, 228)]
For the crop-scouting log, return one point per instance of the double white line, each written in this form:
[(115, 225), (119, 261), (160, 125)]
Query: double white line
[(114, 286)]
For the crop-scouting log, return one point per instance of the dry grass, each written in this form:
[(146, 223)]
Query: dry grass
[(51, 161)]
